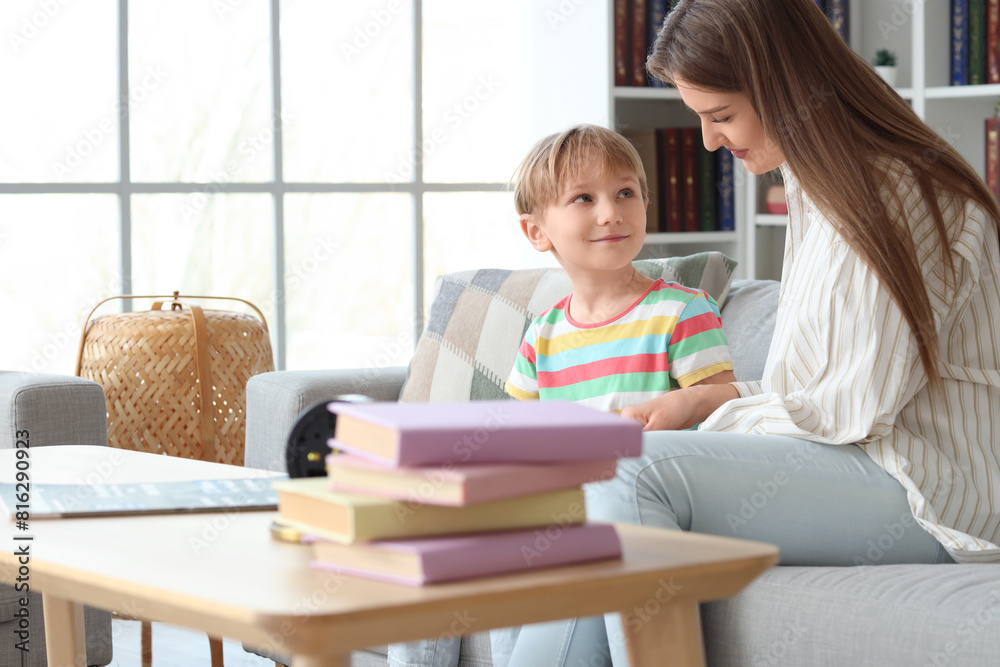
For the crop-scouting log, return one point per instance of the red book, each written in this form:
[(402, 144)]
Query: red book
[(992, 41), (993, 155), (420, 561), (623, 42), (672, 186), (639, 23), (460, 485), (689, 172), (413, 434)]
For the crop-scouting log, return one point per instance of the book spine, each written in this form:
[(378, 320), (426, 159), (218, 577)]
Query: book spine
[(689, 170), (656, 13), (661, 178), (977, 42), (639, 22), (993, 155), (672, 164), (707, 215), (727, 198), (838, 12), (992, 41), (623, 55), (959, 42)]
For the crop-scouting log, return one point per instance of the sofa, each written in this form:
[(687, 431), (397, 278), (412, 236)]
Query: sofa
[(869, 614), (53, 410)]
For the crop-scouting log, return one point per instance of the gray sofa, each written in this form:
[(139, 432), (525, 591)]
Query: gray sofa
[(54, 410), (912, 615)]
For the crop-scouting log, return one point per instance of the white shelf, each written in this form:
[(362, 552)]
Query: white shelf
[(771, 220), (640, 93), (692, 237), (962, 92)]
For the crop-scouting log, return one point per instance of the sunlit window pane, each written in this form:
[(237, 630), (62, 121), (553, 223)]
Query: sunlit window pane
[(348, 280), (226, 251), (200, 90), (472, 105), (347, 90), (60, 113), (474, 230), (59, 259)]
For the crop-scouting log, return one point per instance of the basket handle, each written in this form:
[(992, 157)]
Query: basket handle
[(156, 306)]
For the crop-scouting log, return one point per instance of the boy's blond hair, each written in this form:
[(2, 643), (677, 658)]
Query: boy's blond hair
[(569, 153)]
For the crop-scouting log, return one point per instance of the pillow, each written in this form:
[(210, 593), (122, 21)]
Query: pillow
[(478, 319)]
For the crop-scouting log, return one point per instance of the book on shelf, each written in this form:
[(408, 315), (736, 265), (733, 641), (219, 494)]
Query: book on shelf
[(623, 42), (638, 46), (690, 139), (672, 181), (460, 485), (726, 191), (52, 501), (838, 13), (977, 42), (645, 144), (420, 561), (306, 503), (708, 220), (656, 12), (993, 155), (959, 71), (992, 41), (500, 431)]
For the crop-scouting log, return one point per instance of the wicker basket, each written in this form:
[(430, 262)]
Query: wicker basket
[(175, 380)]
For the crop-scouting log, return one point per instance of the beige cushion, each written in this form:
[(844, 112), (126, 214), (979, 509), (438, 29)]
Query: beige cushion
[(478, 318)]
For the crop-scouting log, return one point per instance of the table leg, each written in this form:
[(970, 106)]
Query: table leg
[(671, 636), (339, 660), (65, 642)]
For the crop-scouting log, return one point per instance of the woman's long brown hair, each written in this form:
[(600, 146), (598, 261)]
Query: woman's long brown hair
[(832, 116)]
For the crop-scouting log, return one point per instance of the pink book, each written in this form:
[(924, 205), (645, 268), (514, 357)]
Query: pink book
[(412, 434), (421, 561), (460, 485)]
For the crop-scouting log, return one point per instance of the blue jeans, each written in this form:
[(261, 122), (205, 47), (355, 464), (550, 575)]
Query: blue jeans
[(821, 504)]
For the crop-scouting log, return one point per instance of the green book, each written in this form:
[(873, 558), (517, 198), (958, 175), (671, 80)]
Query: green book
[(977, 42)]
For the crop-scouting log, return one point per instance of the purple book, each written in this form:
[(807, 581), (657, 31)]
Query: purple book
[(420, 561), (412, 434)]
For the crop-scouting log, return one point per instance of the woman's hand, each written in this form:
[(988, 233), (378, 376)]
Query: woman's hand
[(683, 408)]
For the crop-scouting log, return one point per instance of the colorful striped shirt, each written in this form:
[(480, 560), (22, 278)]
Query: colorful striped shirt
[(670, 337), (844, 365)]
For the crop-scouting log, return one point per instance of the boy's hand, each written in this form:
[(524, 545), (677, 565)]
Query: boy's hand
[(683, 408)]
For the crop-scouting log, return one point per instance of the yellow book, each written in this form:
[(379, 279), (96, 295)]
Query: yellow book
[(308, 504)]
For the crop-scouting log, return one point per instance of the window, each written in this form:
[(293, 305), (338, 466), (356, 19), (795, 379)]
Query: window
[(324, 160)]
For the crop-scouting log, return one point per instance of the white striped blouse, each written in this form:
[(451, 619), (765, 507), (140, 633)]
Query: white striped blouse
[(843, 365)]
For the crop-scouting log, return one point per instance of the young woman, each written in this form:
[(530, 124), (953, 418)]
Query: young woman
[(879, 409)]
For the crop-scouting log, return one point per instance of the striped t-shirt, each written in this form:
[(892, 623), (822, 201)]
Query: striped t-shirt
[(670, 337)]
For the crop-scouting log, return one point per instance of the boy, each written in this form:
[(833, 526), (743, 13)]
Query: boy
[(620, 338)]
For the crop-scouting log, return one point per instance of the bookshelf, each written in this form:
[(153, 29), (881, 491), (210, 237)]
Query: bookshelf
[(645, 107), (918, 32)]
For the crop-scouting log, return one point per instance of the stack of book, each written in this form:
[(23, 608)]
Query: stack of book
[(690, 188), (425, 493)]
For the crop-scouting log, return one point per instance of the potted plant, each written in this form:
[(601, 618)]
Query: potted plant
[(885, 65), (774, 197)]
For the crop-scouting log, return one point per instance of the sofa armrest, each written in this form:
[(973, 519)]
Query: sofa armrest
[(276, 399), (53, 409)]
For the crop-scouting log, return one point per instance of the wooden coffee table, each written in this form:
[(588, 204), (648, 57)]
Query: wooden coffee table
[(223, 574)]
